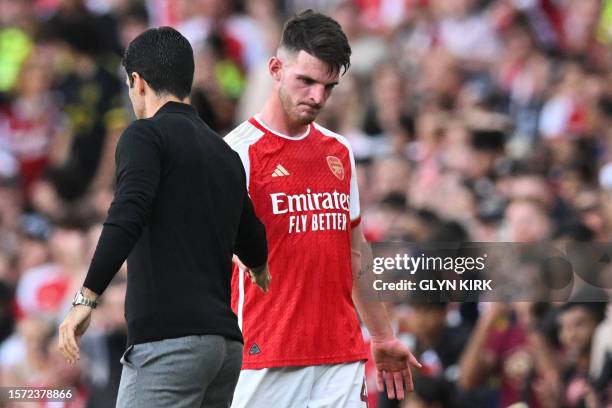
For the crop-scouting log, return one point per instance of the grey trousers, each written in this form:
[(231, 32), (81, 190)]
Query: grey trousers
[(186, 372)]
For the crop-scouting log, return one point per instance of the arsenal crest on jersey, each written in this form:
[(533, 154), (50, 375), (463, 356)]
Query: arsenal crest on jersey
[(335, 165)]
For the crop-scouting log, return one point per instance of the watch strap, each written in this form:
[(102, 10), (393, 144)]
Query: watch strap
[(80, 299)]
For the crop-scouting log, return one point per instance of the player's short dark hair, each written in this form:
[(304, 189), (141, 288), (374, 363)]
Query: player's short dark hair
[(163, 58), (320, 36)]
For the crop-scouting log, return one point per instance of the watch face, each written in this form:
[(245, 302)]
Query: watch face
[(80, 299), (77, 298)]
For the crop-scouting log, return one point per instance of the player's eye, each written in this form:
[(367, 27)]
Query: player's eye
[(307, 81), (329, 87)]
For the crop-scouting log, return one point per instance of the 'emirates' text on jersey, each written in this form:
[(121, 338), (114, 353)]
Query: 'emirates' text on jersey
[(304, 190)]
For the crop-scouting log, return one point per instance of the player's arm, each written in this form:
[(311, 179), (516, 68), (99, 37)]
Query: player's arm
[(138, 168), (392, 357)]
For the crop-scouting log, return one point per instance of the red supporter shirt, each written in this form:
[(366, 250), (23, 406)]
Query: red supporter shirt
[(515, 364), (304, 190)]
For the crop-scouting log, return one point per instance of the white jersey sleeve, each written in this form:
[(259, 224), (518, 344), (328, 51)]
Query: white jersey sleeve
[(240, 139), (355, 209)]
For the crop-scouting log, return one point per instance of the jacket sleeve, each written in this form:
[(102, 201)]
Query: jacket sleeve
[(138, 169), (251, 244)]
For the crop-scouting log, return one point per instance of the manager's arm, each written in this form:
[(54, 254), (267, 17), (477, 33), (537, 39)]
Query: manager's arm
[(138, 168), (251, 246)]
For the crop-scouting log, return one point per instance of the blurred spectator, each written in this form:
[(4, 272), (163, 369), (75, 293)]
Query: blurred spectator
[(26, 365), (577, 324), (508, 344), (527, 221), (466, 32), (436, 344), (470, 120), (32, 121), (95, 117), (430, 393), (15, 41), (44, 289)]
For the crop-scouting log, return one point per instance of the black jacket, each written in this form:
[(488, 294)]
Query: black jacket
[(181, 209)]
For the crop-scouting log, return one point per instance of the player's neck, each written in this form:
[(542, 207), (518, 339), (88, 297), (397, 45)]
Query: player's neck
[(275, 118)]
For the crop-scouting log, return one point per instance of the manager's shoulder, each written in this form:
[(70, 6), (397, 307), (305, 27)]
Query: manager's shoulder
[(140, 129), (243, 136), (140, 126)]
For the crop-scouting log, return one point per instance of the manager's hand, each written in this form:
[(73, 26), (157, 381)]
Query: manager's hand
[(393, 360), (259, 276), (71, 330)]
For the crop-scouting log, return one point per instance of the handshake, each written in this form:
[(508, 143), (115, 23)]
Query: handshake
[(260, 276)]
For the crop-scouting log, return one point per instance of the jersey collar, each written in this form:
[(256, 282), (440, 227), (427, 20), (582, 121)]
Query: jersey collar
[(257, 122)]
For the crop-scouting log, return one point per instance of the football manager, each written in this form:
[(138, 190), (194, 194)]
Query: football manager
[(180, 211)]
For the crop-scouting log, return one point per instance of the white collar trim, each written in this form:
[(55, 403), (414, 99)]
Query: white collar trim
[(300, 137)]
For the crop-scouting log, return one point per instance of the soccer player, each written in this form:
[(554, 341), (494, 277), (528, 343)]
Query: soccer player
[(303, 345)]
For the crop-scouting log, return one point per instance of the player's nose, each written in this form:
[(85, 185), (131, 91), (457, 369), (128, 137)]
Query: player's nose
[(317, 94)]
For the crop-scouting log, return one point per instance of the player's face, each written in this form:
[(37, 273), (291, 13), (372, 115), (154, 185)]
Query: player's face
[(304, 83)]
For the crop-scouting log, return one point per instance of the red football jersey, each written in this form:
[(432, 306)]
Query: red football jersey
[(304, 190)]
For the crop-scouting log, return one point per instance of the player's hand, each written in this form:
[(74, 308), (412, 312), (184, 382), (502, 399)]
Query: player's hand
[(393, 360), (71, 330), (259, 276)]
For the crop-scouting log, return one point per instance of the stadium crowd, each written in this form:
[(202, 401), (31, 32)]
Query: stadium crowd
[(470, 120)]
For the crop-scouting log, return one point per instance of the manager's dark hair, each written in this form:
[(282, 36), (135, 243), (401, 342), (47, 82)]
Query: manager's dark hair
[(320, 36), (163, 58)]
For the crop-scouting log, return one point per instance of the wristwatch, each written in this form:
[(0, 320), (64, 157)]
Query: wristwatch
[(80, 299)]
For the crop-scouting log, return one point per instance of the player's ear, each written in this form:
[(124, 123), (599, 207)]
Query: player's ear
[(275, 66)]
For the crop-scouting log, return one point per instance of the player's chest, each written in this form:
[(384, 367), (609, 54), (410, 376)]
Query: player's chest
[(302, 191), (297, 169)]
